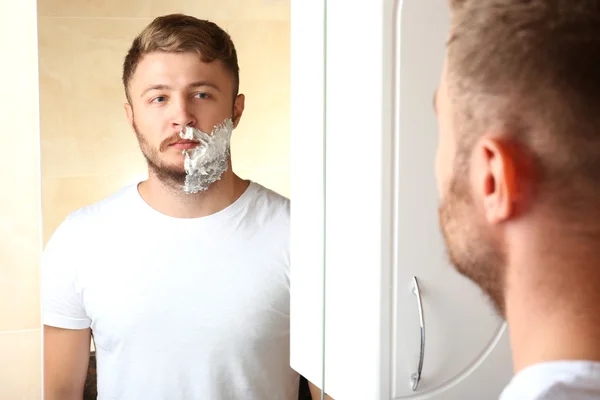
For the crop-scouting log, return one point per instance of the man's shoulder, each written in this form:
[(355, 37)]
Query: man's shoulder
[(85, 219), (575, 380), (271, 199), (269, 210), (114, 203)]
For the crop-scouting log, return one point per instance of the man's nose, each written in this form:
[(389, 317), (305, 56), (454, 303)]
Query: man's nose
[(183, 116)]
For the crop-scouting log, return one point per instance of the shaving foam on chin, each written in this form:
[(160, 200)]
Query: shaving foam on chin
[(206, 163)]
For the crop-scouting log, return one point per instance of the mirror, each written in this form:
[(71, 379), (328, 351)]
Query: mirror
[(183, 294)]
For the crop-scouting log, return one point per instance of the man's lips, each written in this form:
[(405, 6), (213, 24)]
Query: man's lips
[(185, 144)]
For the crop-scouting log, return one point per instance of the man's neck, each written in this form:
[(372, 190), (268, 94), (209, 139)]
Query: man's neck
[(553, 309), (174, 202)]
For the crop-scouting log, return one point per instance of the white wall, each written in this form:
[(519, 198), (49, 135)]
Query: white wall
[(20, 337)]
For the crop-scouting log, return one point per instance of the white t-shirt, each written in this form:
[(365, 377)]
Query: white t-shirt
[(179, 308), (560, 380)]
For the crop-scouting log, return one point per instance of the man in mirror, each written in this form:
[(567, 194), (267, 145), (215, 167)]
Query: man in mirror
[(518, 167), (182, 279)]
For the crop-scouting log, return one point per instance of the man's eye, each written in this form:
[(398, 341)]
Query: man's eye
[(202, 95), (159, 99)]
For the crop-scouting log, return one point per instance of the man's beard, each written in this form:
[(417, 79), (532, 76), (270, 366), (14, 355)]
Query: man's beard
[(472, 250), (171, 175), (212, 162), (207, 162)]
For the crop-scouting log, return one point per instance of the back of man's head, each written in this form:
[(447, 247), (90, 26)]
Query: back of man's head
[(530, 69)]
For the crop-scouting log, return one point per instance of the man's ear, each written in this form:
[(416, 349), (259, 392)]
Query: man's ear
[(496, 180), (238, 109), (129, 114)]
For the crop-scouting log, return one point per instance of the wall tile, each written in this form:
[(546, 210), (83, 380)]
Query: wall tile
[(84, 130), (263, 136), (108, 8), (21, 366), (207, 9), (236, 10)]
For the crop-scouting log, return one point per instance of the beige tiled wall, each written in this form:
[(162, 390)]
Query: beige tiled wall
[(88, 150), (20, 338)]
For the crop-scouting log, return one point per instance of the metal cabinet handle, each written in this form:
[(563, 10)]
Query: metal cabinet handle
[(415, 378)]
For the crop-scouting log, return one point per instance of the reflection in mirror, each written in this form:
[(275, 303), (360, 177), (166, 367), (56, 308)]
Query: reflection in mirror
[(172, 260)]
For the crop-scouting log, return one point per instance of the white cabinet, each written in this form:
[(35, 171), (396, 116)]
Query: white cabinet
[(307, 187), (376, 227)]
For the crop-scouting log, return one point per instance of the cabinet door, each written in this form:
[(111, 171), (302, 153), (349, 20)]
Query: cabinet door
[(383, 62), (465, 350), (307, 41), (358, 134)]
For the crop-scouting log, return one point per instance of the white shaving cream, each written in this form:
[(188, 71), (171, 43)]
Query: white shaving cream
[(206, 163)]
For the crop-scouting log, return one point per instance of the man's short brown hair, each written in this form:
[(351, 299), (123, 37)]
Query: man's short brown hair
[(178, 33), (531, 69)]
